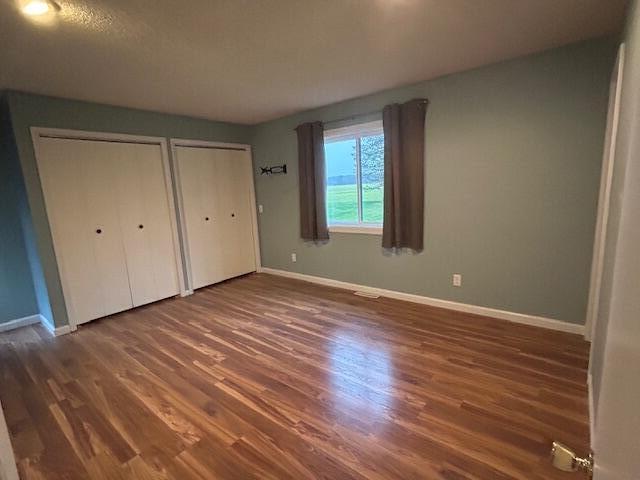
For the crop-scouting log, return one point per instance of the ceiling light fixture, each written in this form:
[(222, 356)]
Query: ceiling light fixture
[(37, 8)]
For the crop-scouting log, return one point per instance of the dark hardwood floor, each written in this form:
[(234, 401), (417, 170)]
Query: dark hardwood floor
[(271, 378)]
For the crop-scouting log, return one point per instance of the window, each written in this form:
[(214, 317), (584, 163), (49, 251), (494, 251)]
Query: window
[(354, 159)]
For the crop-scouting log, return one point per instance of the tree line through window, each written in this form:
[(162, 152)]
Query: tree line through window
[(355, 176)]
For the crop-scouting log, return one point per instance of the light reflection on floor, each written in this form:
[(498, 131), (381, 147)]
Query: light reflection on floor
[(361, 378)]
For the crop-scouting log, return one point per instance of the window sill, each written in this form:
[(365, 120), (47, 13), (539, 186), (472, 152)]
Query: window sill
[(358, 229)]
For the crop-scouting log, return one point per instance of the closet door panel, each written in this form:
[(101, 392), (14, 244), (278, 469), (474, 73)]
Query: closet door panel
[(242, 258), (215, 196), (145, 221), (234, 175), (210, 199), (72, 232), (193, 212), (199, 215), (98, 179), (131, 211), (76, 177), (157, 220), (222, 183)]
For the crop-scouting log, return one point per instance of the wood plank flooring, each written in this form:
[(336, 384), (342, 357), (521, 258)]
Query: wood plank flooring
[(270, 378)]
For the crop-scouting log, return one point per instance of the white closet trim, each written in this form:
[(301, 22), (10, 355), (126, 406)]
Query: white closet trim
[(38, 133), (180, 142)]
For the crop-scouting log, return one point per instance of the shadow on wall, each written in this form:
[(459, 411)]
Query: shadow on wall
[(23, 292)]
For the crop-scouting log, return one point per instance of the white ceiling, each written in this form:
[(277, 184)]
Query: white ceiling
[(248, 61)]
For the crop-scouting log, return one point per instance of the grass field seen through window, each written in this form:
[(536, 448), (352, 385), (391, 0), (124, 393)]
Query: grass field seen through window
[(342, 203)]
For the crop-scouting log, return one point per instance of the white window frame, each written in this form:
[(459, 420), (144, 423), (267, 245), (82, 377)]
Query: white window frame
[(347, 133)]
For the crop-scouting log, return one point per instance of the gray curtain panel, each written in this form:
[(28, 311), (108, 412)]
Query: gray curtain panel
[(403, 225), (311, 169)]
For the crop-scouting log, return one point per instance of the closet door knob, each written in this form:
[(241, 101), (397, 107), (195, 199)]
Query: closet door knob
[(140, 226), (99, 231), (233, 214), (206, 219)]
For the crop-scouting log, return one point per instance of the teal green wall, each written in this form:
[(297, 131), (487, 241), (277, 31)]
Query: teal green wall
[(17, 295), (38, 111), (513, 154)]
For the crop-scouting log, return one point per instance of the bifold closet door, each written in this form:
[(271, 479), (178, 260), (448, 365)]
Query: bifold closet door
[(234, 185), (145, 219), (77, 181), (200, 198), (110, 217), (215, 185)]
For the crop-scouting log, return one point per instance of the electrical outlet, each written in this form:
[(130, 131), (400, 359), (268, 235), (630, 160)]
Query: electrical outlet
[(260, 209), (457, 280), (294, 257)]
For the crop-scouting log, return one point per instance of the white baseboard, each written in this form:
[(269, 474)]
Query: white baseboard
[(56, 331), (19, 322), (533, 320), (592, 411)]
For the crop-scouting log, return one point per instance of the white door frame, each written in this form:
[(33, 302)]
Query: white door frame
[(179, 142), (37, 133), (606, 178), (8, 470)]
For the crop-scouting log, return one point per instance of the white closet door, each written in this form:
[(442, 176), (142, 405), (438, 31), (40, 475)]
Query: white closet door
[(98, 181), (210, 196), (188, 163), (214, 183), (197, 169), (145, 219), (76, 177), (238, 244)]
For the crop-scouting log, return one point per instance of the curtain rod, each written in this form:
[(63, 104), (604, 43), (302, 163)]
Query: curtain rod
[(360, 115), (354, 117)]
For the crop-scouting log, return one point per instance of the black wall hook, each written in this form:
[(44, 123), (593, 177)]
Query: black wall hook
[(276, 169)]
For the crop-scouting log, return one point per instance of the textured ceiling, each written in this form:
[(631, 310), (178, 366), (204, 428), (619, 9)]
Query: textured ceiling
[(253, 60)]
